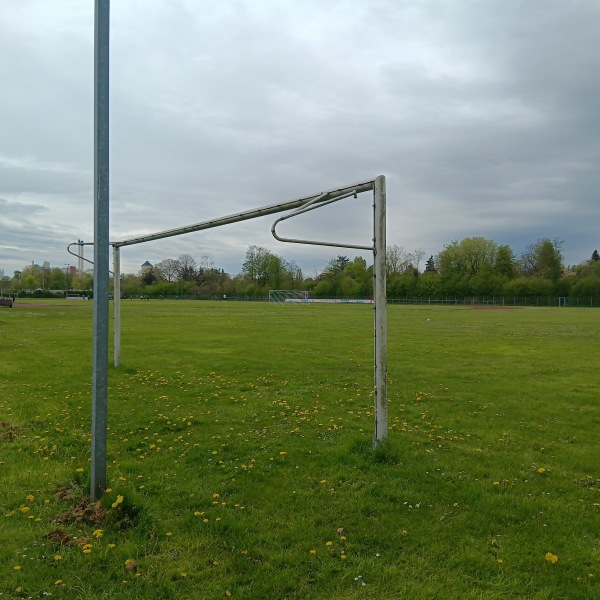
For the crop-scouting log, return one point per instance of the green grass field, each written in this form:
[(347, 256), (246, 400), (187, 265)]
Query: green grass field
[(241, 462)]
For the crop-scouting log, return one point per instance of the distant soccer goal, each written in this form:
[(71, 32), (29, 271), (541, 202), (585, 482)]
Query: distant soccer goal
[(288, 296)]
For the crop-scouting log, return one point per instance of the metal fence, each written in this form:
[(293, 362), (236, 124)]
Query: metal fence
[(562, 301)]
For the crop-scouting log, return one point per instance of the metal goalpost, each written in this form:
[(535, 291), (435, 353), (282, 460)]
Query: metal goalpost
[(298, 206), (102, 245)]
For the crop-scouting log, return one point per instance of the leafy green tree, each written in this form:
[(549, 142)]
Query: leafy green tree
[(543, 259), (58, 279), (531, 287), (588, 287), (486, 282), (505, 263), (429, 285), (257, 265), (466, 256), (595, 256), (548, 259), (337, 265)]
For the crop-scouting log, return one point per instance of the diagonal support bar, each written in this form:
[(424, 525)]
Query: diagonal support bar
[(322, 200)]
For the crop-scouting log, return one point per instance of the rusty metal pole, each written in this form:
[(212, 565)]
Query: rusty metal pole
[(380, 309)]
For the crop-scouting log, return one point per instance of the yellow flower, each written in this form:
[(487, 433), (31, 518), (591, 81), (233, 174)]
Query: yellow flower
[(551, 557), (80, 470), (57, 557), (58, 582), (111, 546), (343, 557), (30, 498), (108, 490), (117, 501), (541, 470), (25, 509), (329, 543), (17, 568), (97, 533), (183, 574), (313, 552), (496, 483)]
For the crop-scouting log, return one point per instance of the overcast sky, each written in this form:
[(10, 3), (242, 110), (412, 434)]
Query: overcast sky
[(483, 116)]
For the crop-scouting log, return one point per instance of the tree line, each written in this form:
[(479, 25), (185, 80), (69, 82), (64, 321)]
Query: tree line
[(474, 266)]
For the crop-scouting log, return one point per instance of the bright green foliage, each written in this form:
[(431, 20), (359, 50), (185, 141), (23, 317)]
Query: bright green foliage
[(548, 259), (466, 256), (241, 464), (505, 263)]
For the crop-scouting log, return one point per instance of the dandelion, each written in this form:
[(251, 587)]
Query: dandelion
[(183, 574), (169, 533), (313, 552), (25, 509), (541, 470), (98, 533), (80, 470), (30, 498), (500, 561), (17, 567), (58, 582), (57, 557), (111, 546), (108, 490), (551, 557), (227, 593), (118, 501), (496, 483), (343, 557), (329, 543)]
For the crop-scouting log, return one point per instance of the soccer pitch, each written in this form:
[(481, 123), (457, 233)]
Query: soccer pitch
[(241, 461)]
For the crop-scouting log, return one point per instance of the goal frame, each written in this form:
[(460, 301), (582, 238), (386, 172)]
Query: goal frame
[(378, 189), (287, 296), (297, 206)]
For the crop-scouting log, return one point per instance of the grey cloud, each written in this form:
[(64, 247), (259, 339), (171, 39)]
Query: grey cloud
[(482, 115)]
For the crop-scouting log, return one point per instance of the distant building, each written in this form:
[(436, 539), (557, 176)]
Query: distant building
[(147, 266)]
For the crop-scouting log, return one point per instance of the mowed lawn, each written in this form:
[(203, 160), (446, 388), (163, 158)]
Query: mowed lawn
[(241, 462)]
